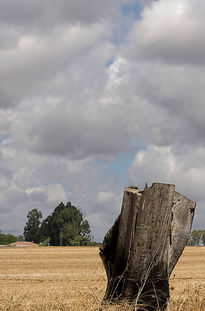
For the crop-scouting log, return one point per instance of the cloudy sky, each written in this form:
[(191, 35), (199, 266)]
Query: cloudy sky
[(96, 95)]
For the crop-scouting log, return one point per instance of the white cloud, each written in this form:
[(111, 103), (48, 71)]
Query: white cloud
[(185, 168), (104, 197), (56, 193), (171, 31), (52, 194), (42, 181)]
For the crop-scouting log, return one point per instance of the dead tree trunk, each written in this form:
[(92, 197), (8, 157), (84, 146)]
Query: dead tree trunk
[(141, 249)]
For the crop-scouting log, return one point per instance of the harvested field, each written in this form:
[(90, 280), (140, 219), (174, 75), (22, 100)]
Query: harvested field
[(73, 279)]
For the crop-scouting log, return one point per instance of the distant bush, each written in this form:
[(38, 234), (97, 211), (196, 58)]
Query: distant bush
[(94, 243), (46, 242), (196, 238), (6, 239)]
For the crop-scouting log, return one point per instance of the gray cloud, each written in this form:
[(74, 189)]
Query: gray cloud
[(28, 68), (61, 128), (70, 95), (40, 15)]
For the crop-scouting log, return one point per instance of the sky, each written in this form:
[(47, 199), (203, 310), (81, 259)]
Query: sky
[(95, 96)]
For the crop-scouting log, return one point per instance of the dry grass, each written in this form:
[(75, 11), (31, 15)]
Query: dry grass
[(73, 279)]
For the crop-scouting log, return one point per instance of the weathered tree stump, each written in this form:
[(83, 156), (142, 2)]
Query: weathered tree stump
[(143, 246)]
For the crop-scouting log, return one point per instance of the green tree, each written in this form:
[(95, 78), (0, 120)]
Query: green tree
[(66, 226), (2, 238), (85, 232), (21, 238), (32, 228), (11, 238), (6, 239), (45, 229)]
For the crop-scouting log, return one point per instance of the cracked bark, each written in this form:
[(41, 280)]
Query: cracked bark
[(141, 249)]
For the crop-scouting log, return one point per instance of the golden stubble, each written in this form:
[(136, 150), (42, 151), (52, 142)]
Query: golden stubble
[(73, 279)]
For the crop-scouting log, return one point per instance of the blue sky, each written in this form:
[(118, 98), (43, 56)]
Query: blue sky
[(132, 10), (4, 137)]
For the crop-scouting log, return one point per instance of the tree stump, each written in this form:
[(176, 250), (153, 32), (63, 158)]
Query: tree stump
[(143, 246)]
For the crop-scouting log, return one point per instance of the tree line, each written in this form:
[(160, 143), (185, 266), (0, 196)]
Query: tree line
[(7, 238), (64, 226)]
